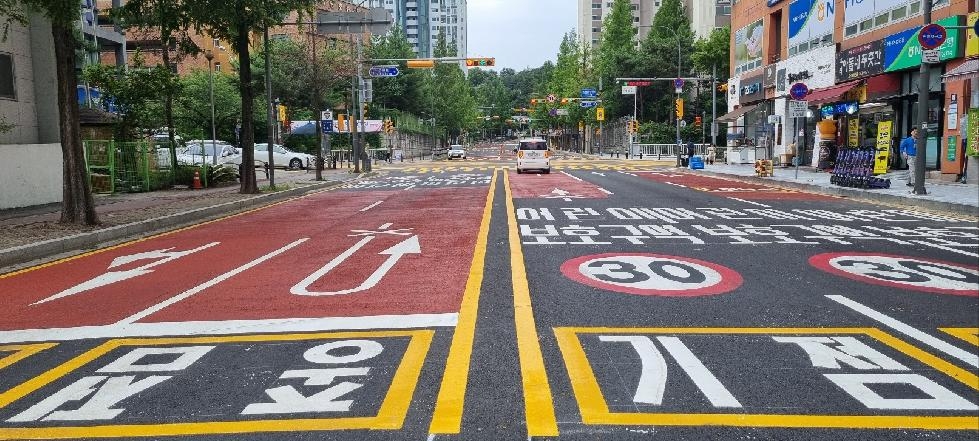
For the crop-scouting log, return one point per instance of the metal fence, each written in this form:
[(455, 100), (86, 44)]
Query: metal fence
[(127, 167)]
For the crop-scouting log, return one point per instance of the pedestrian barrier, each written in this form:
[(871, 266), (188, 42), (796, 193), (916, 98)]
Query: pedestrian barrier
[(129, 167)]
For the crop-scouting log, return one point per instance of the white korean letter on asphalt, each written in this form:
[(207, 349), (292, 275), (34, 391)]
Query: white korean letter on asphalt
[(186, 356), (829, 352), (940, 398), (99, 407)]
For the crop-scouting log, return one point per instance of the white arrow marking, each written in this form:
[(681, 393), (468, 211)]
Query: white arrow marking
[(408, 246), (160, 257), (599, 174), (560, 192)]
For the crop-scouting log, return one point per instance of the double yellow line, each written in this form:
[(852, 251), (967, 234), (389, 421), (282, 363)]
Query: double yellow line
[(538, 400)]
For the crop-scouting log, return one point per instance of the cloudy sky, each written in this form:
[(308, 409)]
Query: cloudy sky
[(519, 33)]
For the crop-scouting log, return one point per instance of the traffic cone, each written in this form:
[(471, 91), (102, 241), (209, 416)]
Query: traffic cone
[(197, 180)]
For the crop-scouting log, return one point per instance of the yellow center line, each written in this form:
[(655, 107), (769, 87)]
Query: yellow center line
[(538, 401), (447, 418)]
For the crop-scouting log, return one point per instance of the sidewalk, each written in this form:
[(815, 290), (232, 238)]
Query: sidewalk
[(33, 233), (944, 196)]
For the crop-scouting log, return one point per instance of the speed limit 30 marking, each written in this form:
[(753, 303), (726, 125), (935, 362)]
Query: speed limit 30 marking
[(652, 274), (913, 273)]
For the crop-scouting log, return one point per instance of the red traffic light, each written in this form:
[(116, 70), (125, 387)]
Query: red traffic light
[(480, 62)]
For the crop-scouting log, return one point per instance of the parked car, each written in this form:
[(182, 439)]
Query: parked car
[(203, 151), (456, 151), (283, 157)]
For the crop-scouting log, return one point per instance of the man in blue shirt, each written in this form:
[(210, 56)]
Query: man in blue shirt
[(908, 151)]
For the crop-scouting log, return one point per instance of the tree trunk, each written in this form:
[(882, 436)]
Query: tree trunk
[(77, 206), (249, 184)]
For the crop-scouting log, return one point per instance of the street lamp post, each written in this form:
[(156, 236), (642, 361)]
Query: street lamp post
[(209, 54)]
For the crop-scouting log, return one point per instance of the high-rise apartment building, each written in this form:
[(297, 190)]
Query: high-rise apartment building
[(705, 15), (423, 20)]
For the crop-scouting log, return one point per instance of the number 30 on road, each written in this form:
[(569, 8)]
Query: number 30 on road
[(651, 274), (911, 273)]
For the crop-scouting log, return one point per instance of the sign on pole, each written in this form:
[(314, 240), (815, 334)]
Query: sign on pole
[(628, 90), (932, 36), (931, 56), (588, 104), (384, 71), (600, 114), (798, 91), (797, 109), (589, 93)]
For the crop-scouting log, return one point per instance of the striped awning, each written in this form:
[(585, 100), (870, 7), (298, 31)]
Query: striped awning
[(966, 71)]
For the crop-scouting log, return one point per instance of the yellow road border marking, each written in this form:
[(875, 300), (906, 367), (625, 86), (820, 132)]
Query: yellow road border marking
[(538, 401), (167, 233), (21, 352), (447, 418), (594, 408), (391, 414), (970, 335)]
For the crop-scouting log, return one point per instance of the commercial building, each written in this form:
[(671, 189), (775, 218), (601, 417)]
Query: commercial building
[(423, 20), (705, 16), (860, 61)]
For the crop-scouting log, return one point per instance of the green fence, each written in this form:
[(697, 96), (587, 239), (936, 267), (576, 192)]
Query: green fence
[(128, 167)]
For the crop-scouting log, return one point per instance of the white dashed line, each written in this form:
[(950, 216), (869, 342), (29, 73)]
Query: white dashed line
[(750, 202), (371, 206), (572, 176), (604, 190)]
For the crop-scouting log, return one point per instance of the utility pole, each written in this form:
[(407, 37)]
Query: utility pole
[(354, 83), (318, 114), (713, 107), (678, 91), (924, 89), (271, 109)]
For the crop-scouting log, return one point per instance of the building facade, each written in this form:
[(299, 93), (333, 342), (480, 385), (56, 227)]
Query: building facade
[(705, 16), (860, 61), (423, 20)]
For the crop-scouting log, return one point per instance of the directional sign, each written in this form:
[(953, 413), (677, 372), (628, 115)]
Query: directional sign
[(589, 104), (798, 91), (911, 273), (651, 274), (327, 125), (589, 93), (932, 36), (639, 83), (628, 90), (384, 71), (551, 98)]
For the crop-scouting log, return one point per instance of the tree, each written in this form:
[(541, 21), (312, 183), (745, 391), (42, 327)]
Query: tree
[(665, 53), (454, 106), (192, 112), (401, 92), (78, 204), (235, 21), (138, 92), (616, 54)]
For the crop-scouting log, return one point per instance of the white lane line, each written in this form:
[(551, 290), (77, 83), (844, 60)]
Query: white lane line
[(409, 187), (572, 176), (604, 190), (371, 206), (908, 330), (750, 202), (231, 327), (675, 184), (191, 292), (941, 247)]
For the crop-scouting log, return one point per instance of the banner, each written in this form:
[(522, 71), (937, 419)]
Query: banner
[(748, 43), (902, 50), (810, 20), (883, 147)]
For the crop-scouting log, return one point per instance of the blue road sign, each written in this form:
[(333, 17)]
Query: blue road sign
[(384, 71), (589, 93), (589, 104), (678, 83), (931, 36), (975, 27), (327, 125), (798, 91)]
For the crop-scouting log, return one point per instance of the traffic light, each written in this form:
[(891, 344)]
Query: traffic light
[(421, 64), (633, 126), (480, 62), (364, 110), (388, 126), (679, 108), (564, 101), (697, 121), (722, 87), (282, 112), (533, 101)]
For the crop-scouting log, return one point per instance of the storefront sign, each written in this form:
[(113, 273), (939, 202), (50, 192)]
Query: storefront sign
[(853, 133), (847, 108), (953, 113), (810, 20), (972, 41), (902, 50), (973, 141), (951, 148), (751, 89), (860, 61), (883, 147), (747, 44), (799, 76)]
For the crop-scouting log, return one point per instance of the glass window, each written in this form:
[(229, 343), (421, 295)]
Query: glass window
[(7, 89), (899, 13), (914, 8), (533, 145), (881, 19), (851, 30), (866, 25)]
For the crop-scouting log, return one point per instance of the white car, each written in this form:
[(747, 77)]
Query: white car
[(456, 151), (202, 151), (283, 157), (533, 154)]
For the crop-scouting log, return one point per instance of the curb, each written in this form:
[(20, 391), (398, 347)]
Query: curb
[(856, 194), (120, 233)]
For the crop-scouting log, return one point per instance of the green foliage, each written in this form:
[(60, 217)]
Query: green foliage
[(192, 110), (615, 56), (404, 91), (5, 126), (138, 92)]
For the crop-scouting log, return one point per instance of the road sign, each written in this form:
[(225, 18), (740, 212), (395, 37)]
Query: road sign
[(930, 56), (651, 274), (376, 20), (911, 273), (678, 83), (589, 93), (327, 125), (600, 114), (326, 115), (551, 98), (798, 91), (639, 83), (932, 36), (797, 109), (384, 71), (628, 90), (561, 112), (588, 104), (975, 28)]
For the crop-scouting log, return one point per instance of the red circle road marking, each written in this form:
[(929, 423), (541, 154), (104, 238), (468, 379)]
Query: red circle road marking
[(652, 274), (890, 272)]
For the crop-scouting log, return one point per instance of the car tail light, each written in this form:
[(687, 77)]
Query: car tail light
[(547, 154), (520, 154)]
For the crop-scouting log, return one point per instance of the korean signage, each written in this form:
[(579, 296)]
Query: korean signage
[(810, 20), (972, 41), (950, 148), (748, 43), (902, 50), (856, 11), (883, 147), (860, 61), (845, 108), (751, 89), (973, 141)]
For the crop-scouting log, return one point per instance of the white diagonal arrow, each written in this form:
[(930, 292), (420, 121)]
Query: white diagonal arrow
[(159, 258), (408, 246), (560, 192)]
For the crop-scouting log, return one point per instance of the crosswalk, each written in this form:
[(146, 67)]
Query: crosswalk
[(568, 165)]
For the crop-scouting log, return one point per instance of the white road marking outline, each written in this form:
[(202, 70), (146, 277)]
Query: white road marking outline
[(750, 202), (232, 327), (371, 206), (604, 190), (942, 247), (197, 289), (676, 185), (573, 176), (908, 330), (395, 253)]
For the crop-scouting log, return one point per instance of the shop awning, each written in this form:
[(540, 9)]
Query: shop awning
[(966, 71), (736, 113), (829, 94)]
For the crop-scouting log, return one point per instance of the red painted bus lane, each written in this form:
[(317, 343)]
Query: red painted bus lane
[(730, 188), (553, 186), (407, 249)]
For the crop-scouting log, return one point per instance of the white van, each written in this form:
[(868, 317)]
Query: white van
[(533, 154)]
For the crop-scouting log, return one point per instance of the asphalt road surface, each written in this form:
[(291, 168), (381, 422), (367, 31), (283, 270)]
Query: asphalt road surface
[(459, 300)]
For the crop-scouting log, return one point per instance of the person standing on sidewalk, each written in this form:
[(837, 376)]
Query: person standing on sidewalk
[(909, 151)]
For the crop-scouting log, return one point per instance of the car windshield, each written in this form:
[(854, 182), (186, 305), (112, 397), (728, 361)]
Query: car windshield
[(455, 147), (533, 145)]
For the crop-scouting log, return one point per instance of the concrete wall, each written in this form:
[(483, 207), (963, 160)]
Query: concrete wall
[(30, 174)]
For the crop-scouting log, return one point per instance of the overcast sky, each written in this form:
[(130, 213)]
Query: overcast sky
[(519, 33)]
